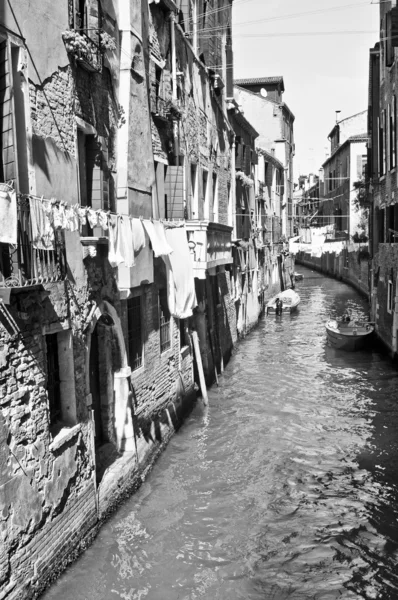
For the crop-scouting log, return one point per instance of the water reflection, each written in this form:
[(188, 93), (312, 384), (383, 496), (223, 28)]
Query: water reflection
[(284, 488)]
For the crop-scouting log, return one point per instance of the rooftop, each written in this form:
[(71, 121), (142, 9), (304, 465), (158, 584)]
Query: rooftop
[(262, 81)]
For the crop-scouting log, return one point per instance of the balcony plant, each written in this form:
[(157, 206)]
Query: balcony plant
[(244, 179)]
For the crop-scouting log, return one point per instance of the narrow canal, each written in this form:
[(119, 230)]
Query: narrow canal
[(286, 487)]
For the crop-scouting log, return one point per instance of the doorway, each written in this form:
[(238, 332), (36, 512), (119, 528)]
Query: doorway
[(95, 388)]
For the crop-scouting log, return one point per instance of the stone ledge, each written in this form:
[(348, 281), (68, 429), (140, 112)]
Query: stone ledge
[(64, 436)]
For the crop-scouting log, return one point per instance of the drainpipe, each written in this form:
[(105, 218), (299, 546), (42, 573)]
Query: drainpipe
[(233, 184), (174, 79)]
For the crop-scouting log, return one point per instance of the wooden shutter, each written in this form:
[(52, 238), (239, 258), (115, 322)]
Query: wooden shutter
[(174, 189), (229, 58), (8, 166)]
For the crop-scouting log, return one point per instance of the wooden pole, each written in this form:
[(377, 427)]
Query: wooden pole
[(203, 389)]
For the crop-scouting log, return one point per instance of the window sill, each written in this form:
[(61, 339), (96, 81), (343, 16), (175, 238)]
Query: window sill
[(64, 436), (166, 352)]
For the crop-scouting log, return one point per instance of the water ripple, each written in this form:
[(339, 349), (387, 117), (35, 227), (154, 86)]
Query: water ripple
[(285, 488)]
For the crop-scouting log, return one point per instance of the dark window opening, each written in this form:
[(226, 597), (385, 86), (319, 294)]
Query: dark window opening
[(183, 333), (135, 337), (164, 322), (53, 378)]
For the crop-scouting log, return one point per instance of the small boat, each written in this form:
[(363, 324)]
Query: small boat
[(298, 276), (286, 301), (349, 336)]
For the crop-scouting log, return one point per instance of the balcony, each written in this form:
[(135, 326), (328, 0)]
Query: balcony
[(23, 265), (210, 245), (83, 49)]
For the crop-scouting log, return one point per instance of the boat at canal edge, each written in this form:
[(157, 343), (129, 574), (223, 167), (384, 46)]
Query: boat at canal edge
[(290, 301), (348, 336)]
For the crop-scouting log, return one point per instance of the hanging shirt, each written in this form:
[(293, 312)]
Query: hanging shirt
[(158, 239), (126, 238), (181, 296), (92, 217), (138, 235), (115, 255), (42, 230), (8, 217)]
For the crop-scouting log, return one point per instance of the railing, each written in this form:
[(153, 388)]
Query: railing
[(210, 245), (86, 52), (23, 265)]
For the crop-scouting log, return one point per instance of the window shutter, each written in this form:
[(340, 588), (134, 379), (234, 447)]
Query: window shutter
[(8, 165), (175, 192)]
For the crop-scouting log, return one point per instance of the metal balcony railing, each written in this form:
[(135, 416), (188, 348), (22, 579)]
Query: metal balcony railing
[(84, 49), (23, 265)]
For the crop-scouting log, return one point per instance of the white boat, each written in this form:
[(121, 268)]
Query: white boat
[(349, 336), (289, 300)]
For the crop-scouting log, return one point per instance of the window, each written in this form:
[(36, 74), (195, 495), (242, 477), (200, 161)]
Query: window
[(382, 144), (194, 192), (60, 379), (215, 198), (164, 322), (135, 332), (13, 152), (93, 175), (183, 333), (205, 194)]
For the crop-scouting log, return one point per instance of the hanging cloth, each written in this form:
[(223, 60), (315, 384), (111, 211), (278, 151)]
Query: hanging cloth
[(92, 217), (157, 236), (42, 230), (8, 217), (138, 235), (82, 212), (181, 296), (126, 238), (103, 219), (115, 256)]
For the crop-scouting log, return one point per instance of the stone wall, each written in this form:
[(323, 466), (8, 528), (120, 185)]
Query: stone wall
[(351, 266)]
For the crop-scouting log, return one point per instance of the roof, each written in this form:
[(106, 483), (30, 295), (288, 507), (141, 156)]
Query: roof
[(262, 81), (270, 158), (360, 137)]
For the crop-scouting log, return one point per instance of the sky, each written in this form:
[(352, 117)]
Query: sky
[(322, 73)]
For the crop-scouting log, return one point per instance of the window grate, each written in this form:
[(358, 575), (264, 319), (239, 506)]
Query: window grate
[(135, 336), (164, 322)]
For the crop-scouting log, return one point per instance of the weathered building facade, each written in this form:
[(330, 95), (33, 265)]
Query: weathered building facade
[(263, 105), (382, 189), (120, 190), (343, 170), (96, 371)]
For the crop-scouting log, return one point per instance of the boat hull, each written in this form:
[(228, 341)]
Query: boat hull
[(350, 339), (290, 301)]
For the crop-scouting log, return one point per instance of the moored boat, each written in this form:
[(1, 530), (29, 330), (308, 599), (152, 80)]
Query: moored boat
[(349, 336), (283, 302)]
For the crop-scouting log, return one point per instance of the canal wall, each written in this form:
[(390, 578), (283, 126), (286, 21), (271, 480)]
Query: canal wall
[(349, 264)]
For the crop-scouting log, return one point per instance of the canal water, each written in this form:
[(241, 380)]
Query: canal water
[(286, 487)]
